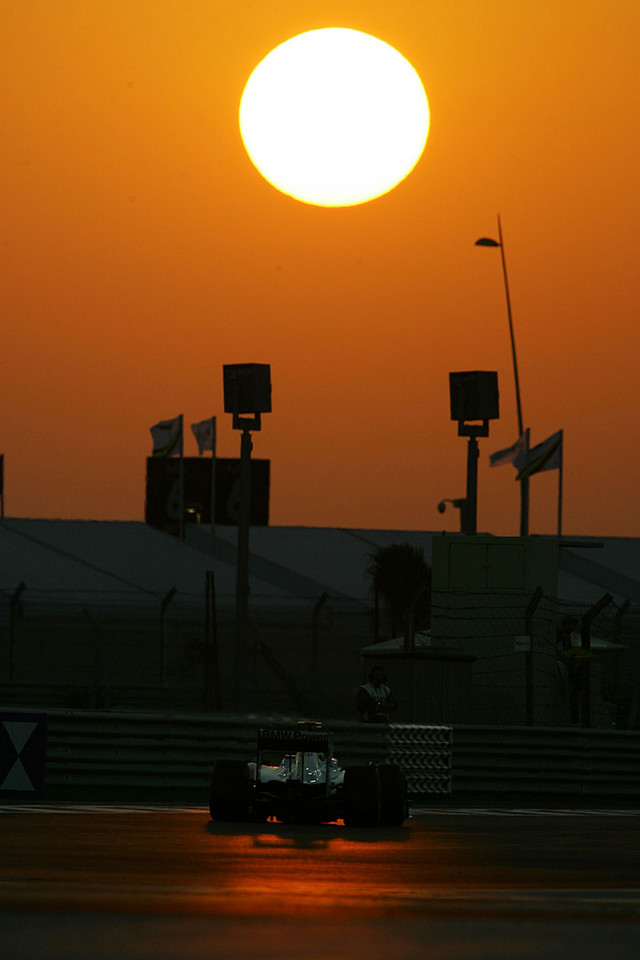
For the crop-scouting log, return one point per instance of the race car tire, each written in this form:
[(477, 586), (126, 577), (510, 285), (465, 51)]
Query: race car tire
[(229, 792), (393, 795), (361, 796)]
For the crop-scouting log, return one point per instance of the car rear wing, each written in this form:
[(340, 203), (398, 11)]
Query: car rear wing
[(294, 740)]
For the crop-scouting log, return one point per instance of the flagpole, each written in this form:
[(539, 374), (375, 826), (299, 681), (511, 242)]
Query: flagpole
[(213, 484), (181, 478), (560, 467)]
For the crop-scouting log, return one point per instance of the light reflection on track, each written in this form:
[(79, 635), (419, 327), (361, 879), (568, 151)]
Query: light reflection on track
[(167, 884), (154, 860)]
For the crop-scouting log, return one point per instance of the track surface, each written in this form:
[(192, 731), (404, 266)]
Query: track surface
[(141, 882)]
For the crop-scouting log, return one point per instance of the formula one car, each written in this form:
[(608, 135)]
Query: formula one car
[(296, 779)]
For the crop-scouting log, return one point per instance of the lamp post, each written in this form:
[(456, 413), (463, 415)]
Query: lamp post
[(247, 390), (524, 483)]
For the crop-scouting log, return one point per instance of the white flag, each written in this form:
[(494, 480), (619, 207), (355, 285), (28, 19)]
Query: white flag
[(167, 438), (510, 454), (205, 434), (544, 456)]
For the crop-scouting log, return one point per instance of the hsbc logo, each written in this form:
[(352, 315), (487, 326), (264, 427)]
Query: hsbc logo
[(23, 752)]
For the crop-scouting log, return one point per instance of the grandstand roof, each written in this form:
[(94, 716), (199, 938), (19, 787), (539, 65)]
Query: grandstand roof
[(288, 565)]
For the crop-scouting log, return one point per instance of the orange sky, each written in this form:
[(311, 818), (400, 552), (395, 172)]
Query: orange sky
[(141, 250)]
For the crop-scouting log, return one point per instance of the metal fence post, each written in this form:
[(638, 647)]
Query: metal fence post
[(163, 610), (14, 616), (315, 616), (211, 678), (99, 697), (585, 639), (620, 614), (530, 687)]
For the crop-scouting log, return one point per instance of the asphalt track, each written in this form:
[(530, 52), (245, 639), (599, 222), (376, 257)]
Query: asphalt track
[(147, 882)]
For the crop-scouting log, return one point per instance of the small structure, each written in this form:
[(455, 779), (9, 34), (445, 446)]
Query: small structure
[(432, 683)]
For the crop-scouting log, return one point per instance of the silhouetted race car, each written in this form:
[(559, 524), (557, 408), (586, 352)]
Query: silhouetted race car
[(296, 779)]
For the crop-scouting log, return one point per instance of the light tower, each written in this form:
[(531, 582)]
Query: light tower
[(247, 395), (474, 397)]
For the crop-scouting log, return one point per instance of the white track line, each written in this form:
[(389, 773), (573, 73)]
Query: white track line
[(131, 808)]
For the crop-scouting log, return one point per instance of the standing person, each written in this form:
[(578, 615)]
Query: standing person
[(570, 657), (374, 700)]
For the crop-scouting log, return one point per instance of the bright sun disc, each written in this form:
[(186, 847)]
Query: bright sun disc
[(334, 117)]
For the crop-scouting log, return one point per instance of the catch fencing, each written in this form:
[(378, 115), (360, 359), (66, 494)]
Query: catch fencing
[(543, 661), (537, 660), (176, 650)]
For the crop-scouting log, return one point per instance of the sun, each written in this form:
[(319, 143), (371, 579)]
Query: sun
[(334, 117)]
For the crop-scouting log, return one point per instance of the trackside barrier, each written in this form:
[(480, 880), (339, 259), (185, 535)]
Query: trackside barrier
[(536, 762), (148, 757)]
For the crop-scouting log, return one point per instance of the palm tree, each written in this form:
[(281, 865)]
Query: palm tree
[(401, 578)]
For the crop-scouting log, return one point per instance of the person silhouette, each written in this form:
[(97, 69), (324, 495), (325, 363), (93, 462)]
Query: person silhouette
[(374, 699)]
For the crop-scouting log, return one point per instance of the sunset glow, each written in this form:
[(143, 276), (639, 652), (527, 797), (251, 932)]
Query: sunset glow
[(141, 250)]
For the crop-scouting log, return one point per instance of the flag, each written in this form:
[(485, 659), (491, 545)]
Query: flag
[(510, 453), (545, 456), (167, 438), (205, 434)]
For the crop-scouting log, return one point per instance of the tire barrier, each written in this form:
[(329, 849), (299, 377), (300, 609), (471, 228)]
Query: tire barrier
[(425, 755)]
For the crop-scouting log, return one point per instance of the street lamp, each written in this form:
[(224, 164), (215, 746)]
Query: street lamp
[(524, 488)]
